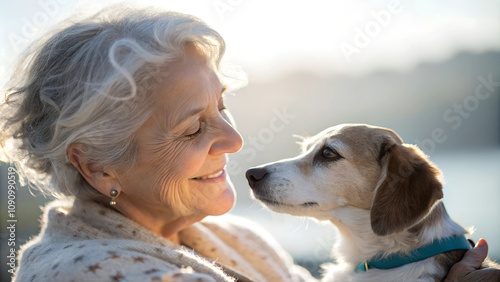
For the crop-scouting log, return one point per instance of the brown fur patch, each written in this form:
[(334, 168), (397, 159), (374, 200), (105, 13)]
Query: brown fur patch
[(410, 189), (434, 216)]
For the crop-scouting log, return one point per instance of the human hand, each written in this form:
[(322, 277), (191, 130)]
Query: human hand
[(468, 268)]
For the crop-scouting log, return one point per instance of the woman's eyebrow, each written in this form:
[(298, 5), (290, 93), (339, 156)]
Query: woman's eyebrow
[(183, 117), (222, 90)]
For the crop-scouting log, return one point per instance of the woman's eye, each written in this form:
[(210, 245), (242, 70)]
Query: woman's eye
[(194, 135), (222, 107)]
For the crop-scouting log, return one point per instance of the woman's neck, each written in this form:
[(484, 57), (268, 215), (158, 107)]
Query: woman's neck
[(161, 221)]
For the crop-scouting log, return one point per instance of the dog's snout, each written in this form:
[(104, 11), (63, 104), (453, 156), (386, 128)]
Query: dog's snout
[(255, 174)]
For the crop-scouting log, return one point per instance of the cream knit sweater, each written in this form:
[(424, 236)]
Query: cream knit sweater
[(85, 241)]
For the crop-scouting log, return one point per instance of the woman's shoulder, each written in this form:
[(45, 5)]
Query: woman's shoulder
[(239, 227), (93, 244), (242, 233), (94, 260), (235, 223), (256, 244)]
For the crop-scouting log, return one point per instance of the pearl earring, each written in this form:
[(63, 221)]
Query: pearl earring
[(113, 194)]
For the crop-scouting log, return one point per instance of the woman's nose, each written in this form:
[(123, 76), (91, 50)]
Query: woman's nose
[(228, 140)]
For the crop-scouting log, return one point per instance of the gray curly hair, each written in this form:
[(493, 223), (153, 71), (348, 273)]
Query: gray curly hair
[(89, 82)]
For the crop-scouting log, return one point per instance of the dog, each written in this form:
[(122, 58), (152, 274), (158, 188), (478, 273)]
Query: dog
[(383, 196)]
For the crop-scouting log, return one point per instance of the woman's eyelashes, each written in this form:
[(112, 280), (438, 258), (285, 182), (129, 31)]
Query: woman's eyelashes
[(221, 105), (221, 108), (196, 134)]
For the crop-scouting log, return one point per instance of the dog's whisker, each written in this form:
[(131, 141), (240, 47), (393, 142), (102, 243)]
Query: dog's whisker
[(274, 217), (307, 220), (253, 205), (299, 226)]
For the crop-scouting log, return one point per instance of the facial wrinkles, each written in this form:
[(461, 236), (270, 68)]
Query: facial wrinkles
[(171, 189), (201, 200), (189, 99), (173, 192), (168, 156), (159, 152), (205, 92), (171, 138)]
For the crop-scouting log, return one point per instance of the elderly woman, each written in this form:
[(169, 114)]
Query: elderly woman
[(121, 116)]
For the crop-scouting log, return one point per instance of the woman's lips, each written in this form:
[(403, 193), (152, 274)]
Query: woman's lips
[(214, 176)]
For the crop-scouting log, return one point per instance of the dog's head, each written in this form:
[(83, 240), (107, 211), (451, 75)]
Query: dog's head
[(352, 165)]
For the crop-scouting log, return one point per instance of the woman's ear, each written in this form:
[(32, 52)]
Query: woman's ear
[(102, 180), (410, 188)]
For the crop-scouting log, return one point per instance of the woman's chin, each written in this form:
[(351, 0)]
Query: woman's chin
[(225, 202), (214, 198)]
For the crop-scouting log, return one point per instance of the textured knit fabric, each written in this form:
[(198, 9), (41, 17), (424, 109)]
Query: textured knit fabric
[(86, 241)]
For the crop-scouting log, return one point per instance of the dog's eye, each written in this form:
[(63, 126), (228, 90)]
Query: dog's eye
[(326, 156), (329, 153)]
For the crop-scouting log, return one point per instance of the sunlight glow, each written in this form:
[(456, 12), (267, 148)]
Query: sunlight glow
[(269, 38)]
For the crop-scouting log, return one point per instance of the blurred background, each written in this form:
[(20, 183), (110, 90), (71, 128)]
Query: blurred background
[(430, 70)]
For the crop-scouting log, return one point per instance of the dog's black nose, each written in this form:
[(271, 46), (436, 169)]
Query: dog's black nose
[(255, 174)]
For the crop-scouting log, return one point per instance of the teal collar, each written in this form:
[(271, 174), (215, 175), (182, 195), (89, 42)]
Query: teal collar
[(432, 249)]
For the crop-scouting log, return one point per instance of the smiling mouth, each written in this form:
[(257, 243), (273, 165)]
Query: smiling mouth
[(215, 175)]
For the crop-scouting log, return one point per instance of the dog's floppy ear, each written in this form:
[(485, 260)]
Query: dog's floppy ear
[(409, 190)]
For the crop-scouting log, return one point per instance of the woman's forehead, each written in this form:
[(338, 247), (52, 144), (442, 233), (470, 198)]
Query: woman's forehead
[(191, 84), (189, 79), (191, 71)]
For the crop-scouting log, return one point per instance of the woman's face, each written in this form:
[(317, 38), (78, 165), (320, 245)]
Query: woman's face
[(183, 147)]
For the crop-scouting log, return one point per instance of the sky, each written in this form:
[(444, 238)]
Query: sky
[(270, 38)]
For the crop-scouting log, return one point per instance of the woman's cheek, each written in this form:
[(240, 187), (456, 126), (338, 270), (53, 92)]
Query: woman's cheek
[(174, 192), (165, 154), (167, 176), (193, 159)]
